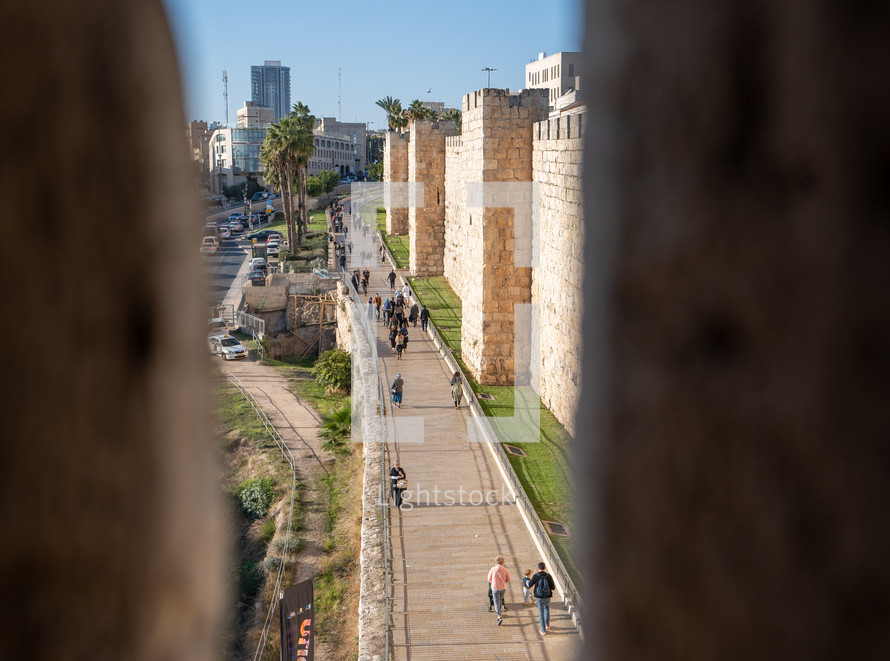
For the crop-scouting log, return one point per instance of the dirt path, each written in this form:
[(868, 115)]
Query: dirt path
[(297, 423)]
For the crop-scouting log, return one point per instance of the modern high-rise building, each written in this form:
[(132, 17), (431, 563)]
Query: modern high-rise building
[(270, 87)]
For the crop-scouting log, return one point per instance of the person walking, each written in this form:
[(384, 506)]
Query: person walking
[(406, 292), (424, 318), (403, 332), (343, 262), (387, 311), (382, 252), (370, 307), (543, 587), (457, 391), (397, 478), (527, 588), (498, 577), (400, 345), (393, 334), (392, 279), (412, 316), (396, 390), (378, 302)]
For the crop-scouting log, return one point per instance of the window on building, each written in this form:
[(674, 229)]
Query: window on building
[(571, 70)]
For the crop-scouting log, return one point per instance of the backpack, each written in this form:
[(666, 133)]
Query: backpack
[(542, 588)]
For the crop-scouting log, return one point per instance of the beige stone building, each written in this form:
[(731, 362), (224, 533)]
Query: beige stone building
[(254, 116)]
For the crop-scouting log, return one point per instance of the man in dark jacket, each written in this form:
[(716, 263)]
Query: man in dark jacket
[(396, 473), (424, 318), (543, 586)]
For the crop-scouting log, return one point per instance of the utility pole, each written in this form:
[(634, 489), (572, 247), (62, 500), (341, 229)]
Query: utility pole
[(489, 70)]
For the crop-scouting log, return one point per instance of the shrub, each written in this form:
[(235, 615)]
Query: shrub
[(255, 496), (333, 370), (267, 532), (335, 429), (270, 564)]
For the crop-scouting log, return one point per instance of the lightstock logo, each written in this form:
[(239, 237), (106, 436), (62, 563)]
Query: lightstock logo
[(370, 387)]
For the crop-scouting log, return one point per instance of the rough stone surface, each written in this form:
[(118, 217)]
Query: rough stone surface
[(395, 171), (426, 219), (496, 147), (556, 283)]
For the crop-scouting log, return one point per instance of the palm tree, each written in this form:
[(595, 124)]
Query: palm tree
[(416, 111), (304, 146), (395, 116), (277, 156), (454, 115)]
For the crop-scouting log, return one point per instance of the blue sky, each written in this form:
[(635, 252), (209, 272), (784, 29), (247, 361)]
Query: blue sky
[(382, 48)]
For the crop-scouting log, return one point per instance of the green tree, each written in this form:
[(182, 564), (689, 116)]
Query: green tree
[(454, 115), (333, 370), (395, 115), (279, 164), (314, 187), (329, 180), (304, 147), (336, 425), (416, 111), (375, 171)]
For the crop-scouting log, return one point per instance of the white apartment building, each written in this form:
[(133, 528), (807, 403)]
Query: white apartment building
[(559, 73)]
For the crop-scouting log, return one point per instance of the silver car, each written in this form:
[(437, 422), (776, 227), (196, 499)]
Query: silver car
[(227, 346)]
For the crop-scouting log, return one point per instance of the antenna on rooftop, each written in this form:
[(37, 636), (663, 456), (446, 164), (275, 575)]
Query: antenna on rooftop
[(226, 93)]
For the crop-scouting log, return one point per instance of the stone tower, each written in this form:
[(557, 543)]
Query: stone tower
[(426, 217), (395, 171), (496, 147)]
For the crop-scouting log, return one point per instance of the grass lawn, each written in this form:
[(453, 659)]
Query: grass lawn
[(546, 473), (398, 245), (436, 295), (317, 221)]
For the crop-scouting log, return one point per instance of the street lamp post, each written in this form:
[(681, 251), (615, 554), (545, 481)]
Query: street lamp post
[(489, 70)]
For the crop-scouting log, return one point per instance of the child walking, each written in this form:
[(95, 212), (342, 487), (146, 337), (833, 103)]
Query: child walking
[(526, 588)]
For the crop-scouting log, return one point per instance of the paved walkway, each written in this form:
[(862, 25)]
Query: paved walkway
[(458, 516)]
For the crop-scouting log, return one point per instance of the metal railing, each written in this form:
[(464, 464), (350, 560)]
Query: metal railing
[(571, 595), (245, 320), (289, 457)]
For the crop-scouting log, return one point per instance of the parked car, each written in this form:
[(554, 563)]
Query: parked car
[(272, 249), (217, 326), (259, 264), (209, 245), (257, 278), (227, 346)]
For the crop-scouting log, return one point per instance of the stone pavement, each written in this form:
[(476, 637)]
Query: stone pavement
[(458, 515)]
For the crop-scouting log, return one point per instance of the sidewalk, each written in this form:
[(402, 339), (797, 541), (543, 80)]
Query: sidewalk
[(458, 515)]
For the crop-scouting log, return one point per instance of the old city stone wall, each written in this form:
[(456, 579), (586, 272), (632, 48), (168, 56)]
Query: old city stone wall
[(498, 142), (556, 283), (504, 141), (456, 217), (395, 171), (426, 218)]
